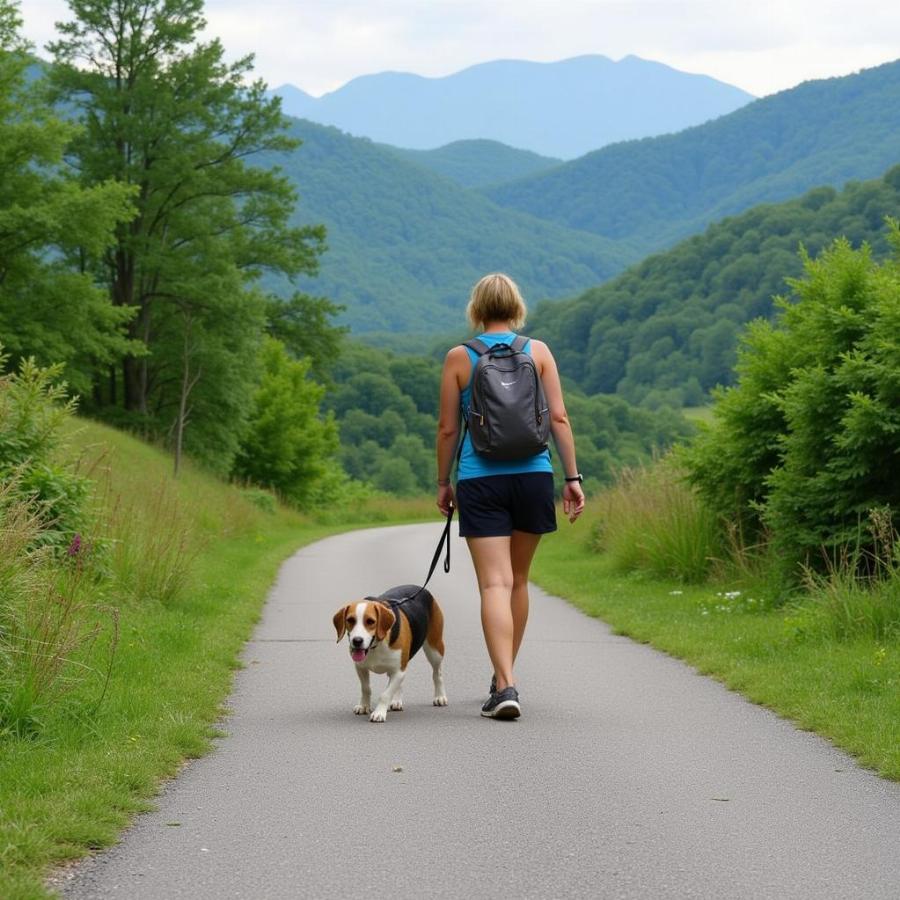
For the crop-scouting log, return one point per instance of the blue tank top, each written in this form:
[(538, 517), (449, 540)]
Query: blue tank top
[(471, 465)]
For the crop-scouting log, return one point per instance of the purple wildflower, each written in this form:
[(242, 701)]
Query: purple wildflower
[(75, 546)]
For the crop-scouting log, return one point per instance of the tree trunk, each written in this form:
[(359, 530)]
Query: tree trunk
[(187, 385), (134, 394), (131, 383)]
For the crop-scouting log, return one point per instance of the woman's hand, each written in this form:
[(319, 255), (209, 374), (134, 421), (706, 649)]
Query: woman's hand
[(445, 498), (573, 500)]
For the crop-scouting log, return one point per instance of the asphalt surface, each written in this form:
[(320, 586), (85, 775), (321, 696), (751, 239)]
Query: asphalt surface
[(628, 775)]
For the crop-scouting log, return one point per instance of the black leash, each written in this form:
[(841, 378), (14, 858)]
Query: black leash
[(445, 539)]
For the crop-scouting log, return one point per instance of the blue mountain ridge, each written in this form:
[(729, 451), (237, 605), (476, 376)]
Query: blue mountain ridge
[(559, 109)]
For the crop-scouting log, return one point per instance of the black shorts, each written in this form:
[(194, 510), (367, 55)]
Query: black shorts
[(497, 505)]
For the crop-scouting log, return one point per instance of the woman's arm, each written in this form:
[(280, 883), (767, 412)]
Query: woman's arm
[(456, 366), (573, 495)]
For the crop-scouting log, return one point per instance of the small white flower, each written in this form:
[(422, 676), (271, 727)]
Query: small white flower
[(675, 593)]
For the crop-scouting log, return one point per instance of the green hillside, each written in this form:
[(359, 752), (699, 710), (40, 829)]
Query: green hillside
[(667, 327), (658, 190), (477, 163), (405, 245)]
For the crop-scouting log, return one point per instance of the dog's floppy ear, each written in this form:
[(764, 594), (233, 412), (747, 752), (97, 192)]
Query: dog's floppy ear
[(340, 621), (384, 620)]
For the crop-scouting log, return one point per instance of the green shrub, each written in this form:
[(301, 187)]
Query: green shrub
[(652, 521), (33, 414), (261, 499), (341, 496), (288, 444), (807, 440)]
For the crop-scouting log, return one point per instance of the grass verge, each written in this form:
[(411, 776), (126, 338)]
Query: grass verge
[(846, 690), (73, 785)]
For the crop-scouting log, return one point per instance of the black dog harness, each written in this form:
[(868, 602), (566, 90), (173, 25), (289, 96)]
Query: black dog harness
[(416, 600)]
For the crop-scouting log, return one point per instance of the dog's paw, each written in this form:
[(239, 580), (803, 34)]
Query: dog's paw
[(397, 706), (379, 715), (440, 700), (361, 709)]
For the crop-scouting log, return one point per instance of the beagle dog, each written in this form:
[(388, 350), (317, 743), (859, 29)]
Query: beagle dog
[(384, 633)]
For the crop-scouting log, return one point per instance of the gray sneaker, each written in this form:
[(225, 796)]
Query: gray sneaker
[(503, 704)]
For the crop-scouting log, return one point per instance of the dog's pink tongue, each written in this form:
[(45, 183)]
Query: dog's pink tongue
[(357, 655)]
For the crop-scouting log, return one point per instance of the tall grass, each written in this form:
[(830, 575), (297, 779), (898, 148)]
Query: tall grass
[(153, 526), (151, 547), (859, 592), (50, 618), (59, 608), (650, 520)]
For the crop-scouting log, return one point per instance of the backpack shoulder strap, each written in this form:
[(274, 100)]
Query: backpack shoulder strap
[(480, 347), (519, 343)]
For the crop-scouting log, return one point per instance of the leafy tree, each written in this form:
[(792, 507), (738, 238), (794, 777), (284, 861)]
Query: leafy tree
[(804, 443), (413, 450), (418, 378), (395, 476), (206, 367), (50, 231), (304, 325), (163, 112), (289, 445)]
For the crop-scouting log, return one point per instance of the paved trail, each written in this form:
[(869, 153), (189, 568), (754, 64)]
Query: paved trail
[(628, 775)]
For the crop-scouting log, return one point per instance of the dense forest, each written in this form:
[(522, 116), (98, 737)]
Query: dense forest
[(658, 190), (477, 163), (405, 245), (385, 406), (665, 331)]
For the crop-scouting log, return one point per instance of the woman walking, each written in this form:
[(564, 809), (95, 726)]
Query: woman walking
[(504, 505)]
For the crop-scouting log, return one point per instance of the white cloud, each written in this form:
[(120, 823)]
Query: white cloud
[(763, 47)]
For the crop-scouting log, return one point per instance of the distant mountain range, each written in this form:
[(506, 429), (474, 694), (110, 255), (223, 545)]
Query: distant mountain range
[(409, 232), (659, 190), (560, 109), (406, 242)]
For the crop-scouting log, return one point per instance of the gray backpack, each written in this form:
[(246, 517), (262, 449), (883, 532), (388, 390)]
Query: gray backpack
[(508, 417)]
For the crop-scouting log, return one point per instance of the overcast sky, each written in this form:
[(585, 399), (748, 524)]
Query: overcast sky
[(760, 46)]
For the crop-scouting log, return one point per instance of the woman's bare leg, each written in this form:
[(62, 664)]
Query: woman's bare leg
[(522, 547), (493, 568)]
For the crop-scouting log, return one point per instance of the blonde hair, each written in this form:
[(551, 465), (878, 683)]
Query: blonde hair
[(496, 298)]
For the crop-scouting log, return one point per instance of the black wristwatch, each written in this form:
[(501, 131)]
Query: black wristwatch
[(579, 478)]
